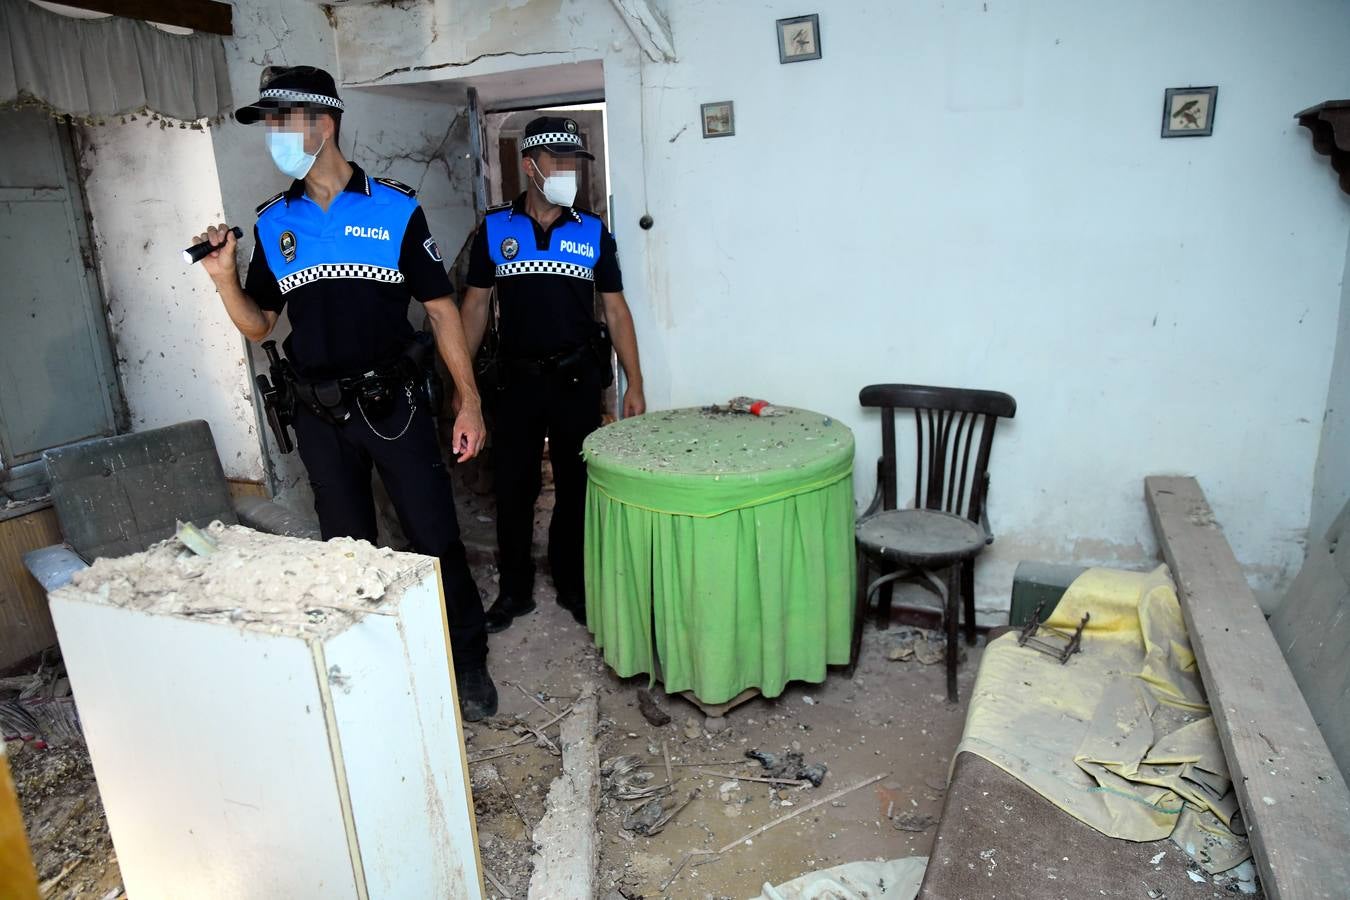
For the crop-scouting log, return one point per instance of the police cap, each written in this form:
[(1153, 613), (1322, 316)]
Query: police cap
[(556, 134), (285, 87)]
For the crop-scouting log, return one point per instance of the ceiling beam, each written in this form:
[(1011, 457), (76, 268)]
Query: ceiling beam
[(649, 28), (199, 15)]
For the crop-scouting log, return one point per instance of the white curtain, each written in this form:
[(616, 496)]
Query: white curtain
[(96, 69)]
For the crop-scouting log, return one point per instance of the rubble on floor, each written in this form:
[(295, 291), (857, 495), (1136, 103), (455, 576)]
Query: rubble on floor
[(892, 717), (63, 816)]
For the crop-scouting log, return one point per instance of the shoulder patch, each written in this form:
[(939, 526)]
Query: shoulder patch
[(268, 202), (398, 186)]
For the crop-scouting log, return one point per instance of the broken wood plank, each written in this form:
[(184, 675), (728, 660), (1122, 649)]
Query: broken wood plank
[(199, 15), (807, 808), (1293, 799), (566, 846)]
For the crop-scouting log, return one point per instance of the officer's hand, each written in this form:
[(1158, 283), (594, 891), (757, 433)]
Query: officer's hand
[(470, 435), (219, 264), (634, 402)]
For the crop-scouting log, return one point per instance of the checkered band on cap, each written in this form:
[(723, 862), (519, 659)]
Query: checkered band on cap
[(552, 137), (302, 97), (339, 270), (545, 267)]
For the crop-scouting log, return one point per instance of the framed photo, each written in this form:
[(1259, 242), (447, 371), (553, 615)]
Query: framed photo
[(1189, 112), (719, 119), (798, 39)]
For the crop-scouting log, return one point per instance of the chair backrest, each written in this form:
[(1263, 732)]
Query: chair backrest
[(945, 424), (119, 495)]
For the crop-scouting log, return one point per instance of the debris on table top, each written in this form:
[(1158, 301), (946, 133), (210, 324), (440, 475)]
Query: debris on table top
[(747, 406), (704, 442)]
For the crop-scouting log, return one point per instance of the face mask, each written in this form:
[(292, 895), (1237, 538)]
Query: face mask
[(288, 152), (560, 188)]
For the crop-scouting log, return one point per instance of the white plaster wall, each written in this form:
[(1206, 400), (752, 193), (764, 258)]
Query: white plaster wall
[(178, 354), (1331, 483), (974, 193)]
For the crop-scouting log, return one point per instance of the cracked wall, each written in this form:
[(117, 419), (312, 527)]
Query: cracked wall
[(151, 189), (178, 355), (1011, 220)]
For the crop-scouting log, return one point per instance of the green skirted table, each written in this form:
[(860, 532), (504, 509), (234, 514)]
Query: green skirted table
[(719, 549)]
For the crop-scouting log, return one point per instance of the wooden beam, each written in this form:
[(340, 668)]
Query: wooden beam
[(199, 15), (649, 28), (1293, 799), (566, 847)]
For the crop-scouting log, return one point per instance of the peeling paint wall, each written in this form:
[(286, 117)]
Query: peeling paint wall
[(178, 354), (151, 189), (1010, 220)]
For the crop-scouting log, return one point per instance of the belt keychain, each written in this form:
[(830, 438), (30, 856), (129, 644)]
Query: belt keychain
[(412, 412)]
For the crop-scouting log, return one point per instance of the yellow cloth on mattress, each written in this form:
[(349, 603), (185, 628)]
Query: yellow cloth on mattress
[(1121, 736)]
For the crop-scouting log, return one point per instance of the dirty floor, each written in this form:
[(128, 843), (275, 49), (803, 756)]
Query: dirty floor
[(891, 719), (63, 814)]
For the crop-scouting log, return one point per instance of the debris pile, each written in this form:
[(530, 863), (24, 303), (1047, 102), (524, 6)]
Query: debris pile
[(789, 766), (926, 647)]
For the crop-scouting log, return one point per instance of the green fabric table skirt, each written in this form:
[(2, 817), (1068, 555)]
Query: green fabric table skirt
[(719, 549)]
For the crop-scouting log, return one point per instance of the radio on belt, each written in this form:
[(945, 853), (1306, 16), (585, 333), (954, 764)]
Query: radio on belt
[(197, 252)]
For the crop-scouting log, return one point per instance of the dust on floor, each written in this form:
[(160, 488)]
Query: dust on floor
[(891, 719), (63, 815)]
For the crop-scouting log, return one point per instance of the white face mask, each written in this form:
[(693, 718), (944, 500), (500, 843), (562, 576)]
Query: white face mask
[(560, 188), (288, 152)]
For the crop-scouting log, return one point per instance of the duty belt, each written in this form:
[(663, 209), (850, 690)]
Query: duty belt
[(558, 364)]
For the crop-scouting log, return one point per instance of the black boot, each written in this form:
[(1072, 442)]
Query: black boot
[(506, 608), (575, 603), (477, 694)]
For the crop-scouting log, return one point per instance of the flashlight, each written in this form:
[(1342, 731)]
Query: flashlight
[(197, 252)]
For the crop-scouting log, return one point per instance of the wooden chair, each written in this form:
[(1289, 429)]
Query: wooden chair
[(947, 527)]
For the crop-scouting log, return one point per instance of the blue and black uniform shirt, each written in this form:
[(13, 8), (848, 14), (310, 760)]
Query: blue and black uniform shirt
[(546, 278), (346, 275)]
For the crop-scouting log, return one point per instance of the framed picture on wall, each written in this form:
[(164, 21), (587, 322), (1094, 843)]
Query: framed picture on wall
[(798, 39), (1189, 111), (719, 119)]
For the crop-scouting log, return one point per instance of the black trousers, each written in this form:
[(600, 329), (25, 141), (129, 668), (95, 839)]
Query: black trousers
[(526, 410), (338, 459)]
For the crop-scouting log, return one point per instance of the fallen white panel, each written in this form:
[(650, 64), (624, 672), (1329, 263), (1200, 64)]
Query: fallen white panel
[(276, 719)]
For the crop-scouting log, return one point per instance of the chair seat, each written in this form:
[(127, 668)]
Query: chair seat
[(920, 537)]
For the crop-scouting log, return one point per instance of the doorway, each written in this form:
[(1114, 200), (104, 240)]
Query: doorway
[(504, 179)]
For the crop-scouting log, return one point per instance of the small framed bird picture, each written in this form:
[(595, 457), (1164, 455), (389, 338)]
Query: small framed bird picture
[(1189, 111), (798, 39)]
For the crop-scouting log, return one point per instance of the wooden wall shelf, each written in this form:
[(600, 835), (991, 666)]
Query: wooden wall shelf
[(1329, 123)]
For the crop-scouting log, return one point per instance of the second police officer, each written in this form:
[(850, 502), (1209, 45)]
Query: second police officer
[(547, 260)]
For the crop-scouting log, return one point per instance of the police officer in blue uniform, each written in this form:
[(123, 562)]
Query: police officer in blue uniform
[(344, 252), (547, 260)]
